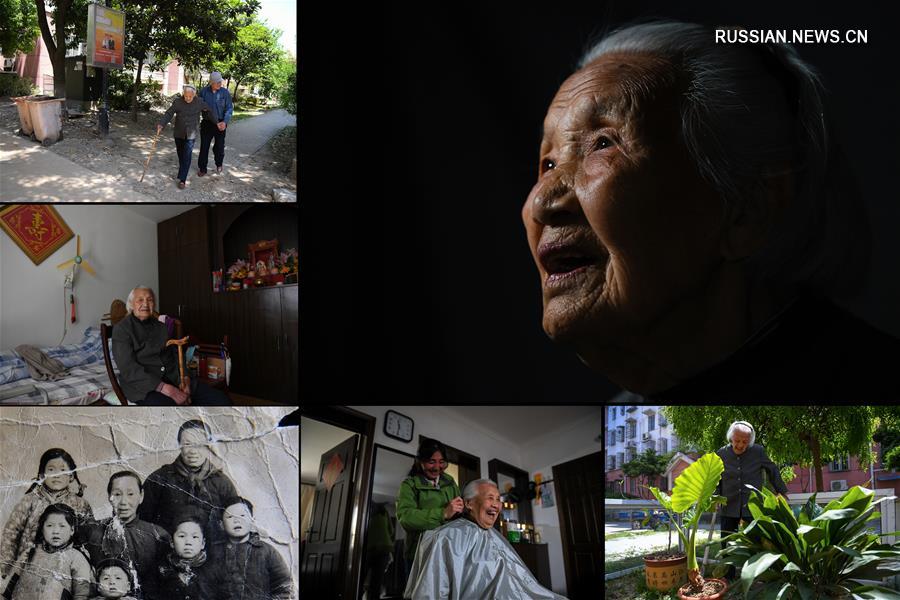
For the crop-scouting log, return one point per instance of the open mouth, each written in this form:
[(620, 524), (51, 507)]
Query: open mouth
[(565, 259)]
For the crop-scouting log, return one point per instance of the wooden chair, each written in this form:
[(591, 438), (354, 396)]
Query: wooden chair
[(106, 335)]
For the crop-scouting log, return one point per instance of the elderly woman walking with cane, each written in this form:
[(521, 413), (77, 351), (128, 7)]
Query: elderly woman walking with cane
[(187, 109)]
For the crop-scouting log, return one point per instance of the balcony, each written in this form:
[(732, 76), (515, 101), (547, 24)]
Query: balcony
[(631, 408), (631, 444), (645, 436), (649, 411)]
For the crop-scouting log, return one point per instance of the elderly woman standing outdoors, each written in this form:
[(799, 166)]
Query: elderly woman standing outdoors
[(692, 220), (187, 109), (428, 497), (744, 461)]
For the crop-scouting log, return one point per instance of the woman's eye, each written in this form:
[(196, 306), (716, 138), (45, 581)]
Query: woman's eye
[(547, 164), (603, 142)]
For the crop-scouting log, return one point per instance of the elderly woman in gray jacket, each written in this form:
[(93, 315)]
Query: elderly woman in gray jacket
[(187, 109)]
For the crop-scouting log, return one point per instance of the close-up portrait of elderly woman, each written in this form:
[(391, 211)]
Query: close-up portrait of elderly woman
[(618, 197), (148, 368), (692, 219)]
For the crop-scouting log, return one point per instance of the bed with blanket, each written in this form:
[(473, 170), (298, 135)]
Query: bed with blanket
[(85, 381)]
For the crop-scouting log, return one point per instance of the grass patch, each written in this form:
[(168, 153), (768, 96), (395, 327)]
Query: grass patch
[(620, 563), (245, 113), (626, 534)]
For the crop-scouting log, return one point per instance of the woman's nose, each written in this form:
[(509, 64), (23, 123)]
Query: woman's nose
[(555, 202)]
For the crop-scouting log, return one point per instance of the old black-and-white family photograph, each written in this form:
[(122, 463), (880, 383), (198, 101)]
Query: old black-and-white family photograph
[(155, 504)]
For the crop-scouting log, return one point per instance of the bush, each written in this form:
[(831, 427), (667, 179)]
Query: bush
[(120, 86), (823, 552), (13, 85), (288, 95)]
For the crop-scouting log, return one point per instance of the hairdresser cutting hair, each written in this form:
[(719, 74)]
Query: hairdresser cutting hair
[(744, 464)]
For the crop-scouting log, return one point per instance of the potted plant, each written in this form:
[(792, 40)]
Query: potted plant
[(820, 553), (693, 495)]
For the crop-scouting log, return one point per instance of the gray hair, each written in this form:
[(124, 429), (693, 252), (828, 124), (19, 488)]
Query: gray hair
[(747, 112), (741, 426), (189, 87), (471, 489), (128, 305)]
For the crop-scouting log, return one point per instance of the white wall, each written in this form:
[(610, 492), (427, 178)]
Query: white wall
[(119, 244), (539, 456), (433, 422)]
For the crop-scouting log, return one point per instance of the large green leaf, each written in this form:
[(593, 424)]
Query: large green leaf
[(697, 482), (874, 592), (663, 498), (756, 566), (810, 534), (837, 514)]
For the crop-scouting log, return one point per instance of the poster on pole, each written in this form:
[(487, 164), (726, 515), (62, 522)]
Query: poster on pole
[(105, 37)]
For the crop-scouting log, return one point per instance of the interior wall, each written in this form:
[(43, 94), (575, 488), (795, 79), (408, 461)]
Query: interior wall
[(118, 243), (539, 457), (433, 422)]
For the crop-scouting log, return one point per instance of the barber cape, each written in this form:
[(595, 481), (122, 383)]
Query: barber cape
[(462, 561)]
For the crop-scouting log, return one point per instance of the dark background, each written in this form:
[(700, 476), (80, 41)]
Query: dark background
[(420, 133)]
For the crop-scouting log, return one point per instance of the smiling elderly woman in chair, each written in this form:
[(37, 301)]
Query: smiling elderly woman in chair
[(147, 367), (692, 220), (467, 559)]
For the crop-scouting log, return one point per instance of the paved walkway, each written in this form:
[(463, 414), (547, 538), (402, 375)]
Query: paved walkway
[(31, 173), (244, 138)]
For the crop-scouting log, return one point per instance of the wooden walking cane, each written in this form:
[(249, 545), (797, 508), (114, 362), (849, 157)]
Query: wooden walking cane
[(183, 380), (152, 150)]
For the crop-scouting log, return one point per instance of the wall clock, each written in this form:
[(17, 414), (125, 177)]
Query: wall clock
[(400, 427)]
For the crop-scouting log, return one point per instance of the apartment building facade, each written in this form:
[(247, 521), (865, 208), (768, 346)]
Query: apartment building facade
[(629, 431)]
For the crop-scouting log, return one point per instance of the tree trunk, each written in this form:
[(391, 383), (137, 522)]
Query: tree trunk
[(134, 90), (237, 83), (56, 49), (817, 462)]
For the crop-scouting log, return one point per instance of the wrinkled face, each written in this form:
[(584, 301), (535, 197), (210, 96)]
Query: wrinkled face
[(57, 531), (434, 466), (188, 95), (113, 583), (125, 496), (236, 521), (215, 86), (142, 303), (620, 224), (485, 507), (57, 475), (188, 540), (740, 441), (194, 449)]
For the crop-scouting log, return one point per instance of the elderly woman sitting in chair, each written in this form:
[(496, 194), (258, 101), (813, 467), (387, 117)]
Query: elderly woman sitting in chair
[(148, 369)]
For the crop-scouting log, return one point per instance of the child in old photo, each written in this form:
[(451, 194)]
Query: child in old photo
[(56, 483), (53, 553), (114, 580), (254, 569), (187, 573)]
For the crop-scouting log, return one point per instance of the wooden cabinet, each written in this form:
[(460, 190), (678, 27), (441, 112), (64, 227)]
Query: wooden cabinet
[(185, 280), (537, 558), (262, 324)]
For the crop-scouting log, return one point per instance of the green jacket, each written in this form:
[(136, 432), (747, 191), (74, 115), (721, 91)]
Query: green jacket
[(381, 535), (420, 507)]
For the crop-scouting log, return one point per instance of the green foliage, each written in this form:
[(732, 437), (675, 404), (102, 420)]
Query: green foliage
[(275, 78), (255, 50), (693, 496), (12, 85), (789, 433), (120, 89), (819, 553), (892, 459), (288, 95), (18, 26), (787, 474)]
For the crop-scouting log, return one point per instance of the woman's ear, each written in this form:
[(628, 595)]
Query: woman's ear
[(750, 224)]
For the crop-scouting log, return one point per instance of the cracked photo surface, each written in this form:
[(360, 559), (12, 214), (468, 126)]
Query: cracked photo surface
[(148, 503)]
